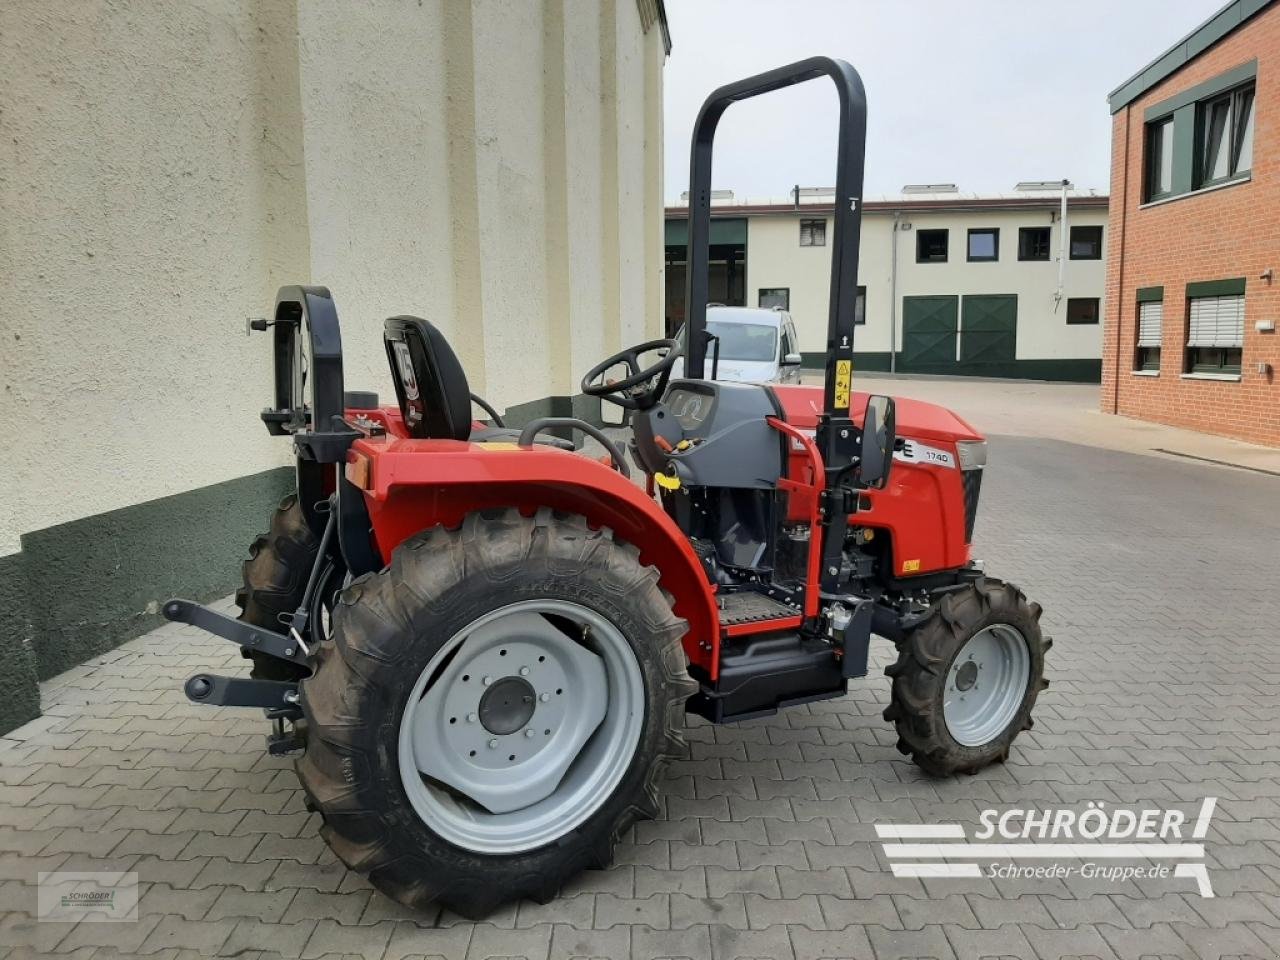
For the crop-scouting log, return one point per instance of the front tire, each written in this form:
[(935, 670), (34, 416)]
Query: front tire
[(967, 677), (494, 711)]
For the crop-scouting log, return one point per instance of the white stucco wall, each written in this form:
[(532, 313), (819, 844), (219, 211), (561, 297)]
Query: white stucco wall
[(776, 259), (492, 166), (151, 189)]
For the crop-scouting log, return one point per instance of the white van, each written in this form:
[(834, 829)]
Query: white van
[(757, 345)]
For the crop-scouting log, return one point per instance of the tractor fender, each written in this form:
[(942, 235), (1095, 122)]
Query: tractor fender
[(412, 485)]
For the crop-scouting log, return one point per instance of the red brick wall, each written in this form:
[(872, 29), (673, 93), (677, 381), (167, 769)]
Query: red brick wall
[(1220, 234)]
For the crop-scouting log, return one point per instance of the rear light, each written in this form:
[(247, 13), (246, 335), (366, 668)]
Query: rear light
[(360, 471), (972, 454)]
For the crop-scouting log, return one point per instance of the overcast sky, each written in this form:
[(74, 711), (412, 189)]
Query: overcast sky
[(981, 93)]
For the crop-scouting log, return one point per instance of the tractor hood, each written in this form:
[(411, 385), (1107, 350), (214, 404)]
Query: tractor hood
[(802, 406)]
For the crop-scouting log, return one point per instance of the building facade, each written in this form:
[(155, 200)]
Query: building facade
[(948, 283), (1193, 299), (494, 167)]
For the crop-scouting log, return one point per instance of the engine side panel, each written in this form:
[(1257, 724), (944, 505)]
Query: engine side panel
[(922, 509)]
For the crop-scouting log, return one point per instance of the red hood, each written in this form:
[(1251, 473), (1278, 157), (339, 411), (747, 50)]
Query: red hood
[(915, 418)]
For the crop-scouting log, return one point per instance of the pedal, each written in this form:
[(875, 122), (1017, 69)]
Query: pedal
[(244, 692)]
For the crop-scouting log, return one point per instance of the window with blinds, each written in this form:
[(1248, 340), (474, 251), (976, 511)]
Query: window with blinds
[(1215, 334), (813, 233), (1150, 334)]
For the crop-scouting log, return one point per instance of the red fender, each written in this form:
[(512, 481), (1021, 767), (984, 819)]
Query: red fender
[(412, 485)]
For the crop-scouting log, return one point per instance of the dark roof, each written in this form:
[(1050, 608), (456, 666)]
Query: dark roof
[(1199, 40), (906, 206)]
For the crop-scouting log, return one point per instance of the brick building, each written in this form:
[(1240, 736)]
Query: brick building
[(1192, 289)]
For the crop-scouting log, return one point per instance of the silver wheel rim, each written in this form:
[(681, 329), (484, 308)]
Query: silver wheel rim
[(491, 771), (986, 685)]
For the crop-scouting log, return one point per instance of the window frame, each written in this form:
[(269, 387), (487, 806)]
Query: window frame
[(809, 223), (785, 291), (1146, 357), (1231, 134), (1023, 232), (933, 232), (995, 243), (1153, 129), (1097, 311), (1195, 362), (1071, 241)]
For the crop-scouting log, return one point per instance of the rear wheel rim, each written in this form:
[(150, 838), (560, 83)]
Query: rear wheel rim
[(986, 684), (521, 726)]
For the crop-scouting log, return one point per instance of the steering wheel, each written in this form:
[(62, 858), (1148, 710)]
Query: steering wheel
[(644, 385)]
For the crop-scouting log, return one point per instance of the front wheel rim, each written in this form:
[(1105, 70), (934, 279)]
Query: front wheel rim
[(986, 684), (521, 726)]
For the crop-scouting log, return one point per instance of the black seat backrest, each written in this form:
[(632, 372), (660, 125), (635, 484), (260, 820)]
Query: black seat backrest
[(435, 399)]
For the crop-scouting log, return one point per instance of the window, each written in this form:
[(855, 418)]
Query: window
[(984, 244), (1086, 243), (1159, 159), (1150, 334), (1082, 310), (860, 307), (1224, 136), (775, 297), (1033, 243), (813, 233), (1215, 334), (1202, 137), (931, 246)]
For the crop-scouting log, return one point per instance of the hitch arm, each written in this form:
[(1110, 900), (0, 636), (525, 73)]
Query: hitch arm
[(278, 645)]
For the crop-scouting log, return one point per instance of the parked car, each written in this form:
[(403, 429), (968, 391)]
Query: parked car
[(756, 345)]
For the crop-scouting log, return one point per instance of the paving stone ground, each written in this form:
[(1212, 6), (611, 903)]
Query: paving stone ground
[(1160, 585)]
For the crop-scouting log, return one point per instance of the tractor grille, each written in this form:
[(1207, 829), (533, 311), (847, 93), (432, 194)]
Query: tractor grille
[(972, 480)]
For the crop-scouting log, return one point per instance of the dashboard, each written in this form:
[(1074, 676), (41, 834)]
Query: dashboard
[(689, 405)]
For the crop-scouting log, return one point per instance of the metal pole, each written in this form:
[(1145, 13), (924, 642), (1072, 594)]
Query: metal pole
[(893, 297), (1062, 247)]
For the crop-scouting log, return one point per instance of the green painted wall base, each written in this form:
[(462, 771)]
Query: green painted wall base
[(1064, 371), (81, 588)]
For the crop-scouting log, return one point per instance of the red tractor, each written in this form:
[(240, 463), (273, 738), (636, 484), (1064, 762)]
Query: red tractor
[(485, 642)]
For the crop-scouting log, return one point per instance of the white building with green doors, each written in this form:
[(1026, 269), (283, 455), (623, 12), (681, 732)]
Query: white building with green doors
[(951, 283)]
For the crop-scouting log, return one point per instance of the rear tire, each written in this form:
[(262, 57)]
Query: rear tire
[(409, 629), (937, 665), (275, 579)]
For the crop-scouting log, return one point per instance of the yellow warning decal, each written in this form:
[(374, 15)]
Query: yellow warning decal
[(496, 445), (844, 379), (910, 566)]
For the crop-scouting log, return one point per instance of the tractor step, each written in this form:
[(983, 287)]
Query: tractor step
[(763, 674), (747, 606)]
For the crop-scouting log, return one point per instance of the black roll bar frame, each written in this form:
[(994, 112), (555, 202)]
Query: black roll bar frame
[(837, 437)]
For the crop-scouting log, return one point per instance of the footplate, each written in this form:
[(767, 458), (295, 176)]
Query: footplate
[(287, 647), (275, 695)]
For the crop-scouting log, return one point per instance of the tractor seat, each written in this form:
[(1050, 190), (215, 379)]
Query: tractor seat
[(435, 399)]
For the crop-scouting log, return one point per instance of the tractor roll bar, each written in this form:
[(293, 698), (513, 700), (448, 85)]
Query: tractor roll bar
[(848, 212)]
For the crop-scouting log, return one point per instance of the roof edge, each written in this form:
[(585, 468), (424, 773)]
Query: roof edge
[(1235, 14), (1096, 201)]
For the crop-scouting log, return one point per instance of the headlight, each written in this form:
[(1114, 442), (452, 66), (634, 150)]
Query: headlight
[(972, 454)]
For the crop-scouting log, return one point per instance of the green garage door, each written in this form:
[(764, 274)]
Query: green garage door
[(989, 333), (928, 334)]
